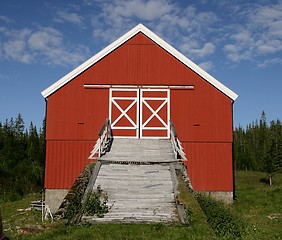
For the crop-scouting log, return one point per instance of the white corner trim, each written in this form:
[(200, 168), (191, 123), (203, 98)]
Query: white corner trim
[(139, 28)]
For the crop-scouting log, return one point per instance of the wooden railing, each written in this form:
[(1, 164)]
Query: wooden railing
[(176, 144), (104, 142)]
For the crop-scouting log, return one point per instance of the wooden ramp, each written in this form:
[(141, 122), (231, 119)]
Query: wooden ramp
[(140, 151), (139, 178)]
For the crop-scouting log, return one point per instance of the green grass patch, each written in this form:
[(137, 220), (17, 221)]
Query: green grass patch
[(17, 215), (259, 204), (196, 218), (121, 231), (221, 219)]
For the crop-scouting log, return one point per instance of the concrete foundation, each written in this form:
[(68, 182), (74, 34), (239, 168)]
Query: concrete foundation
[(226, 197), (54, 198)]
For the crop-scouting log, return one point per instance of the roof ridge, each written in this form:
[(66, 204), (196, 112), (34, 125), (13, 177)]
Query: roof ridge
[(111, 47)]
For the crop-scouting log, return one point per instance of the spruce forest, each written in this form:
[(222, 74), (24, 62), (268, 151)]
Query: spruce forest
[(21, 158), (258, 147)]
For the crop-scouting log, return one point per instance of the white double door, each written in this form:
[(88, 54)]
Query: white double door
[(140, 113)]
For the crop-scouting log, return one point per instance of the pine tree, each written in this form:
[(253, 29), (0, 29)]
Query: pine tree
[(21, 158), (259, 147)]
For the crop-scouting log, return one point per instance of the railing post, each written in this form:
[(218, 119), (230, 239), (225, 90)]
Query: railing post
[(104, 141), (99, 152), (177, 148)]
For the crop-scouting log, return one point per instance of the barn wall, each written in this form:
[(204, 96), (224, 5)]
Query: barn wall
[(75, 113), (209, 165), (64, 162), (202, 116), (204, 126)]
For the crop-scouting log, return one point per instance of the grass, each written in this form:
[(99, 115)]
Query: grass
[(255, 202), (221, 219), (13, 218), (196, 218), (122, 231)]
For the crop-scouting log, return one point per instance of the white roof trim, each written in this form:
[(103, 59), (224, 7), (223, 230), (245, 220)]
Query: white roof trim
[(139, 28)]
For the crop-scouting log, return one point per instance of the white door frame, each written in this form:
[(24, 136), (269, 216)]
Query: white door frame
[(139, 102), (135, 102), (154, 113)]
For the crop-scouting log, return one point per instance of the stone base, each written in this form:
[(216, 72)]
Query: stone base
[(226, 197), (54, 198)]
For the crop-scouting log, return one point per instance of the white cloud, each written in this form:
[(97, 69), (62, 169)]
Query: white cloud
[(191, 48), (275, 28), (267, 22), (243, 32), (184, 27), (71, 17), (15, 50), (116, 17), (87, 2), (207, 66), (4, 19), (236, 54), (270, 62), (244, 37), (207, 49), (266, 14), (15, 47), (269, 46), (232, 52), (189, 30), (45, 45), (145, 10), (72, 57), (45, 39), (141, 9), (259, 33)]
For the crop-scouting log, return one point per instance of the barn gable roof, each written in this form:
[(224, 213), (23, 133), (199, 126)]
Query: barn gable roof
[(139, 28)]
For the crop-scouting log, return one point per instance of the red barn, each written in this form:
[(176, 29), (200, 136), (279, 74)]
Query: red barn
[(118, 83)]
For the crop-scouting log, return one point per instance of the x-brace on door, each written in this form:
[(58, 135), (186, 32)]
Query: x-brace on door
[(140, 113)]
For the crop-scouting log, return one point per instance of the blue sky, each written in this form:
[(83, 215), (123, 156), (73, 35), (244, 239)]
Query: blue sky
[(237, 42)]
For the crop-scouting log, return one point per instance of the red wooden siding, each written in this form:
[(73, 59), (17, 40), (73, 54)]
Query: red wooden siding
[(203, 116), (142, 64), (75, 113), (64, 162), (209, 165)]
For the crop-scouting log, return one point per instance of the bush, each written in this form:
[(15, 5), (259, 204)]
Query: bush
[(222, 221), (97, 203)]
